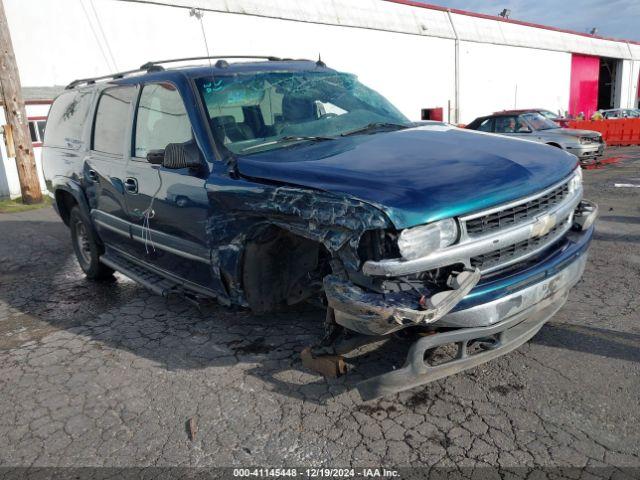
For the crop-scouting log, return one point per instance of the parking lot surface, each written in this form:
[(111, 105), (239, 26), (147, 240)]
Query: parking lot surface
[(110, 375)]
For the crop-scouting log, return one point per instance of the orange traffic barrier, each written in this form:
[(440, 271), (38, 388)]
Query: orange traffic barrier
[(624, 131)]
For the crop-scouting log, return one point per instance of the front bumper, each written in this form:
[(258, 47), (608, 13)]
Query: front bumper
[(587, 151), (518, 324), (473, 301), (493, 317)]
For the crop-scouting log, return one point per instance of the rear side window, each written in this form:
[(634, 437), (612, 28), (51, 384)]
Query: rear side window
[(161, 119), (66, 120), (112, 120)]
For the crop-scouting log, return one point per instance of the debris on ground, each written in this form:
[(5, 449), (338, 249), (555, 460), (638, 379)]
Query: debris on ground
[(192, 428), (330, 366)]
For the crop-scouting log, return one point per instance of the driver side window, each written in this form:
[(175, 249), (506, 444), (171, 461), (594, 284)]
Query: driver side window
[(486, 125), (161, 119)]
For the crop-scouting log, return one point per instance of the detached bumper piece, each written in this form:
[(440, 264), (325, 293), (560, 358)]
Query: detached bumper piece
[(376, 314), (515, 319), (585, 215), (474, 347)]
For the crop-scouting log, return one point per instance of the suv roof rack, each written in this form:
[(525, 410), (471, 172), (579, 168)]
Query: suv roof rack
[(156, 66)]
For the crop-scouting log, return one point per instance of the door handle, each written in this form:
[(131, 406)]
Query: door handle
[(131, 185), (92, 175)]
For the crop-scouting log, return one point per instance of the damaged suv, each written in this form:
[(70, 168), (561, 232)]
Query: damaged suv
[(268, 182)]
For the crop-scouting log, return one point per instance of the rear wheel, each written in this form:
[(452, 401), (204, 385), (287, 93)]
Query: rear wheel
[(87, 250)]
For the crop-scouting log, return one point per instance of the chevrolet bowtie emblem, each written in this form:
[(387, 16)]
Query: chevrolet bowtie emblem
[(543, 225)]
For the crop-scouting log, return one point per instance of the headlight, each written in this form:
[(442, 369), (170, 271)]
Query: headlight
[(419, 241), (576, 180), (584, 140)]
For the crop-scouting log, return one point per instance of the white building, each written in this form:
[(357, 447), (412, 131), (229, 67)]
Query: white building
[(417, 56)]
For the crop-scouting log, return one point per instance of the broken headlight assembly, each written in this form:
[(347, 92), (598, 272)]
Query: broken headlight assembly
[(419, 241)]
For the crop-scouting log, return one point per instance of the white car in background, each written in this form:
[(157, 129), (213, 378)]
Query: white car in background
[(618, 113)]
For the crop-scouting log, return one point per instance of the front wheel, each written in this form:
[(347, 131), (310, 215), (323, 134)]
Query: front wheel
[(87, 250)]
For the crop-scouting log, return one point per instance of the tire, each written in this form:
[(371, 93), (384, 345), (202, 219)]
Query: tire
[(87, 250)]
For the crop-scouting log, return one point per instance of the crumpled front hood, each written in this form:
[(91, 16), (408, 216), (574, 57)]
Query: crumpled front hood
[(420, 174)]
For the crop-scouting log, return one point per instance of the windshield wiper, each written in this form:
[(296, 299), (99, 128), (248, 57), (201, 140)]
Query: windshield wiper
[(374, 126), (288, 138)]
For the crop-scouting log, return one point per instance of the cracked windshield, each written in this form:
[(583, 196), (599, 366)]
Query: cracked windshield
[(263, 111)]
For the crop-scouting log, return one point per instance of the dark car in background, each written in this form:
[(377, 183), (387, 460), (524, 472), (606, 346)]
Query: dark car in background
[(584, 144), (267, 183)]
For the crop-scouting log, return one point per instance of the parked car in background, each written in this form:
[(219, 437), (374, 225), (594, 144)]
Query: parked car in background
[(562, 121), (267, 183), (584, 144), (618, 113)]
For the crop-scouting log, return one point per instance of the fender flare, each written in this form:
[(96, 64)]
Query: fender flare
[(73, 188)]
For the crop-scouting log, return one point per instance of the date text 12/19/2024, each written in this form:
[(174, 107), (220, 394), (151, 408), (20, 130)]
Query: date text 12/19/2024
[(315, 472)]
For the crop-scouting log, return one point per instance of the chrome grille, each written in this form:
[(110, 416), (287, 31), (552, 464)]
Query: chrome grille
[(507, 255), (516, 214)]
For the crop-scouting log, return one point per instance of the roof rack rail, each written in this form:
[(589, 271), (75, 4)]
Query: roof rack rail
[(216, 57), (156, 66), (114, 76)]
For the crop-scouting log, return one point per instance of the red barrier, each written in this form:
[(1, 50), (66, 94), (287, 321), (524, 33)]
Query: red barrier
[(624, 131)]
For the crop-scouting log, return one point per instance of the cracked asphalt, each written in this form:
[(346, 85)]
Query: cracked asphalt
[(109, 375)]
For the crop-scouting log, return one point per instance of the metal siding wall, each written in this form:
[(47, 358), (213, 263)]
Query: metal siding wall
[(585, 71), (392, 16), (491, 74)]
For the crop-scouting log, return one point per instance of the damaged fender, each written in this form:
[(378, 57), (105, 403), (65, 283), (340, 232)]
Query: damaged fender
[(241, 215)]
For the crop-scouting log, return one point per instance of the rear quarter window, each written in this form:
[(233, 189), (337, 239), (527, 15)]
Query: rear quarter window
[(67, 118)]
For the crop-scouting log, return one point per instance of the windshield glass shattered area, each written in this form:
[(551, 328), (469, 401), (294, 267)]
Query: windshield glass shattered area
[(538, 122), (250, 113)]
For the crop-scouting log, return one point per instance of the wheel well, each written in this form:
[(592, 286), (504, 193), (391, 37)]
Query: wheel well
[(552, 144), (281, 268), (65, 202)]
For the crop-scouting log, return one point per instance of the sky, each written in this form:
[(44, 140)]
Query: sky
[(613, 18)]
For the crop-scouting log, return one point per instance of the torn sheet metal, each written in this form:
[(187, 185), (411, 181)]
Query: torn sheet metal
[(237, 214), (381, 314)]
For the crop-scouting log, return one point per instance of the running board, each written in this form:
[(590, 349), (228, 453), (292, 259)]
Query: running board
[(145, 277)]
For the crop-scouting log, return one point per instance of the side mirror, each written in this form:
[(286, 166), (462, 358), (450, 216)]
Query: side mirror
[(181, 155), (155, 157)]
